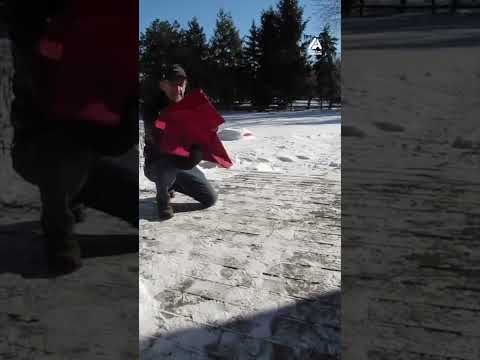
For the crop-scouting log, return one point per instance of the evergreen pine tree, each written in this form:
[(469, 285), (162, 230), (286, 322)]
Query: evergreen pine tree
[(327, 77), (251, 61), (310, 85), (268, 69), (196, 60), (291, 54), (337, 84), (225, 54), (161, 43)]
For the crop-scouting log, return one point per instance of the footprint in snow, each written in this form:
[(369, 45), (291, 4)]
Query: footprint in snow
[(302, 157), (285, 158), (386, 126), (461, 143), (352, 131)]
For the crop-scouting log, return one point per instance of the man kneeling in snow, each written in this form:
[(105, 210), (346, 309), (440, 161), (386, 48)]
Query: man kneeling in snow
[(70, 153), (170, 172)]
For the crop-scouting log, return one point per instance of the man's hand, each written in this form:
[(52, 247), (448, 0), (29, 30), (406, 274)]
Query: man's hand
[(196, 155)]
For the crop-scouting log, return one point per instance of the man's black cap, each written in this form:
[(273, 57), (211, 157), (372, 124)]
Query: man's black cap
[(174, 72)]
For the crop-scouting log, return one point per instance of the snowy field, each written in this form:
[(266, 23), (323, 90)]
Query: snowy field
[(410, 196), (258, 274), (300, 142)]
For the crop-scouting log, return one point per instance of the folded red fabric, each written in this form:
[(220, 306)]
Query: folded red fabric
[(193, 120)]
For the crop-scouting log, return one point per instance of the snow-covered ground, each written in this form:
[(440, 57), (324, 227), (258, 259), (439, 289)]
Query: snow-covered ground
[(258, 273), (411, 186), (300, 142)]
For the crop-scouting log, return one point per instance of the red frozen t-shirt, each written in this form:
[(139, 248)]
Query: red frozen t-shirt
[(193, 120)]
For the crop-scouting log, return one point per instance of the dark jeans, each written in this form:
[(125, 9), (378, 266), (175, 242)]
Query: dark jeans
[(68, 172), (189, 182)]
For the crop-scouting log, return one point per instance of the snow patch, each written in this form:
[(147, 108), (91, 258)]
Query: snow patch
[(147, 313), (207, 165), (265, 167), (229, 134)]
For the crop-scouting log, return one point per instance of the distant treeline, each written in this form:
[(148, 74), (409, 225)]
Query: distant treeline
[(270, 66)]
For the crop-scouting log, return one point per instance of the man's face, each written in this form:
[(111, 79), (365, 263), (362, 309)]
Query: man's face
[(174, 89)]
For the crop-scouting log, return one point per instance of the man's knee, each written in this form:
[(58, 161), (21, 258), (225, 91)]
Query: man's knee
[(210, 199)]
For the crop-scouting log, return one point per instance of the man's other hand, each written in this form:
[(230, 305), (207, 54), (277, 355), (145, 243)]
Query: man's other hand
[(196, 155)]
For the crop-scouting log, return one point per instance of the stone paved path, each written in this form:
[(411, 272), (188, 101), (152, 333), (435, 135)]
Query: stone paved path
[(255, 277), (88, 314)]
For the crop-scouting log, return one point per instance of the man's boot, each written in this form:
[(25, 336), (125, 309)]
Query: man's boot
[(64, 253), (64, 256), (165, 211)]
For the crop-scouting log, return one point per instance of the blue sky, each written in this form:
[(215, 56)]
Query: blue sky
[(242, 11)]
